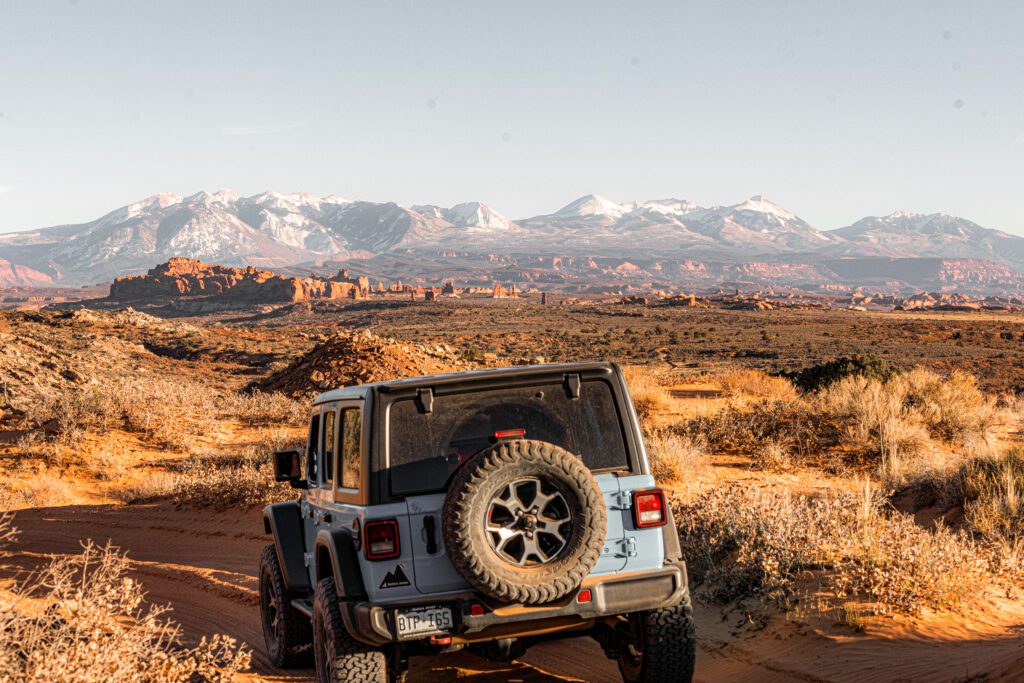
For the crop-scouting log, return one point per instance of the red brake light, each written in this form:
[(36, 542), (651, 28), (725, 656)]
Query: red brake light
[(649, 508), (381, 540), (476, 609), (584, 595), (508, 433)]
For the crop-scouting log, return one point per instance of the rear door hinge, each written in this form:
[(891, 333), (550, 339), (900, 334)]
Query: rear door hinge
[(621, 500), (307, 558), (621, 547)]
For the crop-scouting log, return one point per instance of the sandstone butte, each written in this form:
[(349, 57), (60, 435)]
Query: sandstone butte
[(184, 277)]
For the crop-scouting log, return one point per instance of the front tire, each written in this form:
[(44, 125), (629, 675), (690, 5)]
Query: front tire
[(286, 630), (340, 657), (662, 646)]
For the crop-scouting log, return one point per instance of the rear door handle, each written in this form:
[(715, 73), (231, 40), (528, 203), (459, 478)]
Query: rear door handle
[(430, 533)]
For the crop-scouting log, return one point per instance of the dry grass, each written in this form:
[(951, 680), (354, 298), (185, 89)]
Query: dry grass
[(219, 481), (757, 384), (675, 458), (649, 396), (83, 619), (743, 543), (898, 426), (990, 491)]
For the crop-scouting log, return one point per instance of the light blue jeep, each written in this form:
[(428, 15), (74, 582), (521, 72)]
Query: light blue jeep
[(488, 510)]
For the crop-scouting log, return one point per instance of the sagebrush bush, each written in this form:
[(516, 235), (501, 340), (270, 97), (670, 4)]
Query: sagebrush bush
[(820, 376), (674, 457), (988, 488), (953, 408), (743, 543), (83, 618)]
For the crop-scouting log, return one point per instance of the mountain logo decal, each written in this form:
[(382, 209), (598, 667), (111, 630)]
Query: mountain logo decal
[(395, 579)]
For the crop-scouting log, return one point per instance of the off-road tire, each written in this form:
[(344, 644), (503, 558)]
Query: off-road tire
[(340, 657), (290, 640), (668, 647), (466, 507)]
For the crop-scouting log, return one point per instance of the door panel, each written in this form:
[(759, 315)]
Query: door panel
[(434, 570)]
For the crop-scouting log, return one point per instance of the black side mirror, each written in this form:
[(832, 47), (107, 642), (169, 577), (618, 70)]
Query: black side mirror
[(288, 467)]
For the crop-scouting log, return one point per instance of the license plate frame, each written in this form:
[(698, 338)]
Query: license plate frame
[(423, 620)]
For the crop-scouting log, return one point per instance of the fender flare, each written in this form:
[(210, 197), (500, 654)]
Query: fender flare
[(284, 522), (337, 547)]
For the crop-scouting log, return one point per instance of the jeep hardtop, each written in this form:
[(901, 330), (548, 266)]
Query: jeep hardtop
[(488, 510)]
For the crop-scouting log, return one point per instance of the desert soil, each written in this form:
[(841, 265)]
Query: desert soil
[(204, 564)]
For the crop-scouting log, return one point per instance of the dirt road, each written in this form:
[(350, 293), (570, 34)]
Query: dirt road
[(204, 565)]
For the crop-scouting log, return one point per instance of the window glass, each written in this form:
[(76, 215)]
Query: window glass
[(351, 446), (327, 449), (425, 449), (311, 447)]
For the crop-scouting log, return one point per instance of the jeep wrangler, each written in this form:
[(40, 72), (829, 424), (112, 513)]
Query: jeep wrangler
[(488, 510)]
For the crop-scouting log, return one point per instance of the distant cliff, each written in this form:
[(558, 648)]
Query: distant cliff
[(183, 277)]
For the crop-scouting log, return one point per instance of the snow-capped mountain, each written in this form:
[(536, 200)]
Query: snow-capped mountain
[(902, 233), (279, 230), (470, 215), (268, 230)]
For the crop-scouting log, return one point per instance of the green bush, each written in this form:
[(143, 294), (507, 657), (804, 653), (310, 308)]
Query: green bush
[(824, 374)]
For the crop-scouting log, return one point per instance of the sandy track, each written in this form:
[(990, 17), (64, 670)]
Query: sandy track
[(204, 565)]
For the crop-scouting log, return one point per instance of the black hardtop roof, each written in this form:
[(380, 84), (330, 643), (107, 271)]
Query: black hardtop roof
[(361, 390)]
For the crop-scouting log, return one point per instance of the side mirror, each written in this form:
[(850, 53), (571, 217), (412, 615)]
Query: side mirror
[(288, 467)]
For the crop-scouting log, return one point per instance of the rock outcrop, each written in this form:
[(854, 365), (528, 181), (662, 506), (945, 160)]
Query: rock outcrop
[(182, 277)]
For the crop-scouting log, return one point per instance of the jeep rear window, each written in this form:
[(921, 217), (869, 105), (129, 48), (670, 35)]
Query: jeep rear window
[(425, 449)]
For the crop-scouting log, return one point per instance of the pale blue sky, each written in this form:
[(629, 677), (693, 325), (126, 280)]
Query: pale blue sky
[(835, 110)]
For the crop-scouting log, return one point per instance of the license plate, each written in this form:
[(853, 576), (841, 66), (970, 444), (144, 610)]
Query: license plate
[(423, 620)]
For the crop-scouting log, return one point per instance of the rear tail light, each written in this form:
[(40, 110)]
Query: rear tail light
[(381, 540), (584, 595), (649, 508), (509, 433), (476, 609)]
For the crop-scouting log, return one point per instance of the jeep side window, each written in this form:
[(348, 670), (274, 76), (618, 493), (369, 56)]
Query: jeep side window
[(327, 449), (311, 447), (351, 447)]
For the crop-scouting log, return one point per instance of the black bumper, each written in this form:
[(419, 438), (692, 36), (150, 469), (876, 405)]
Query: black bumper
[(609, 596)]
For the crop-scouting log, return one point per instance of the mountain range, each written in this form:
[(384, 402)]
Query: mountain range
[(277, 230)]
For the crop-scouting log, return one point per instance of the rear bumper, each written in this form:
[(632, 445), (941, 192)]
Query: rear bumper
[(610, 595)]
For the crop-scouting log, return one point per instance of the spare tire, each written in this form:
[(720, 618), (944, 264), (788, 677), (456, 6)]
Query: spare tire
[(524, 521)]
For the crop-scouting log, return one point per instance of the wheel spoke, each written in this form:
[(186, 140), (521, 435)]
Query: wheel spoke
[(519, 513)]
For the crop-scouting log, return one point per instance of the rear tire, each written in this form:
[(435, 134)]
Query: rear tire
[(663, 646), (340, 657), (286, 630)]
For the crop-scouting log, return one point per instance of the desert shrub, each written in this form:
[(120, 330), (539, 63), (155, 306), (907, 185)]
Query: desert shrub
[(988, 488), (953, 408), (742, 543), (649, 396), (175, 414), (674, 457), (260, 408), (84, 619), (876, 419), (735, 428), (758, 384), (822, 375), (217, 481)]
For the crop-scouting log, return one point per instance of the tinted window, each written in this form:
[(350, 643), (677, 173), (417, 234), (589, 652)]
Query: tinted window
[(424, 449), (351, 446), (311, 447), (328, 448)]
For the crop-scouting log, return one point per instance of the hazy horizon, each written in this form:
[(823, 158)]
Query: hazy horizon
[(834, 112)]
